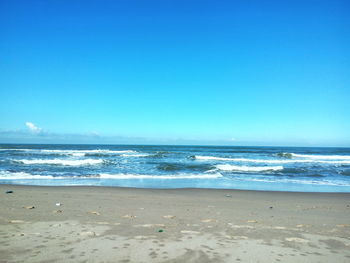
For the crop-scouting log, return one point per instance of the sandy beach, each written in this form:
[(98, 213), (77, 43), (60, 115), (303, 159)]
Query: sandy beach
[(101, 224)]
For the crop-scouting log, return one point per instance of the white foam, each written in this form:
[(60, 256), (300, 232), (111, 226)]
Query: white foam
[(241, 159), (198, 157), (17, 149), (304, 182), (84, 152), (73, 152), (322, 157), (5, 175), (271, 161), (247, 160), (62, 162), (229, 167), (135, 155), (175, 176), (78, 154)]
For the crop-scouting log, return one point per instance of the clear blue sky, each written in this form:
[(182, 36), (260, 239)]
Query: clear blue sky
[(190, 72)]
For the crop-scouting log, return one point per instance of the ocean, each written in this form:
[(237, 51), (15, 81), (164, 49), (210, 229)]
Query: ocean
[(303, 169)]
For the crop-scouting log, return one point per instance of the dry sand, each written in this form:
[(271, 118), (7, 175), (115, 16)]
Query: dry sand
[(101, 224)]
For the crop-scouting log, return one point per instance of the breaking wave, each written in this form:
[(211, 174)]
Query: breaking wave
[(62, 162), (175, 176), (6, 175), (322, 157), (303, 182), (135, 155), (74, 152), (254, 168), (86, 152), (245, 159), (197, 157)]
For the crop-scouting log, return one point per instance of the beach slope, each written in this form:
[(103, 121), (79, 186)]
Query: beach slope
[(102, 224)]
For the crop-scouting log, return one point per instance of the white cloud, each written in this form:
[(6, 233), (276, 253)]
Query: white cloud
[(94, 133), (33, 128)]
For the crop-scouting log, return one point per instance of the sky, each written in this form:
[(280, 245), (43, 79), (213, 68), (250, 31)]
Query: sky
[(175, 72)]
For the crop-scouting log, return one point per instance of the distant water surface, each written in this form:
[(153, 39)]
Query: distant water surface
[(252, 168)]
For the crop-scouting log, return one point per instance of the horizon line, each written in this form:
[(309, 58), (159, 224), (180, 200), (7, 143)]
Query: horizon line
[(188, 145)]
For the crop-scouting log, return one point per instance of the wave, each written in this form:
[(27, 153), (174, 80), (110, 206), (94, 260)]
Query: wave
[(24, 150), (6, 175), (322, 157), (135, 155), (62, 162), (175, 176), (228, 167), (197, 157), (244, 159), (86, 152), (303, 182), (74, 152)]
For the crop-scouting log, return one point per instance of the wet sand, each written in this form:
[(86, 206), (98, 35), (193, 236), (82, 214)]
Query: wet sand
[(102, 224)]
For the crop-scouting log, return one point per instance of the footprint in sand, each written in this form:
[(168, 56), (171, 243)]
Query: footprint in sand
[(88, 233), (16, 221), (209, 220), (169, 216), (29, 207), (238, 237), (144, 237), (102, 223), (129, 216), (189, 232), (252, 221), (150, 225), (296, 239), (279, 227), (94, 213), (301, 225)]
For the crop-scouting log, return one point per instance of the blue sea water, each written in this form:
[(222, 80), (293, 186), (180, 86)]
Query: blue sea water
[(251, 168)]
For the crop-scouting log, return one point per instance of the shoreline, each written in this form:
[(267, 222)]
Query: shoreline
[(170, 189), (117, 224)]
